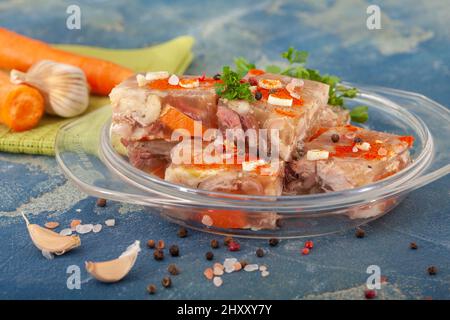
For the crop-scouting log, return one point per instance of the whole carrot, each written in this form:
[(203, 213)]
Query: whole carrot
[(21, 106), (20, 52)]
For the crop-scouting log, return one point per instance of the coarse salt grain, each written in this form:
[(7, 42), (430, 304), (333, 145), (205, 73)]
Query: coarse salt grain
[(207, 220), (237, 266), (251, 267), (229, 269), (97, 228), (217, 271), (262, 268), (217, 281), (66, 232), (265, 273), (355, 149), (84, 228), (157, 75), (78, 210), (74, 223), (174, 80), (141, 81), (208, 273), (365, 146), (110, 222)]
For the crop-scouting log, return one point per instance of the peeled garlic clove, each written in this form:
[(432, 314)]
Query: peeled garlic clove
[(49, 241), (64, 87), (115, 270)]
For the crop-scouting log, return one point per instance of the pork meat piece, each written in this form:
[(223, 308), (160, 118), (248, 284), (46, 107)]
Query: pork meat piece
[(346, 157)]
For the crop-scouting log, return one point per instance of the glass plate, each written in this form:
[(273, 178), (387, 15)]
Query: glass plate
[(87, 155)]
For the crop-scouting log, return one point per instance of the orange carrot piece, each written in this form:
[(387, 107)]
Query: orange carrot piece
[(20, 52), (226, 218), (21, 106), (174, 119)]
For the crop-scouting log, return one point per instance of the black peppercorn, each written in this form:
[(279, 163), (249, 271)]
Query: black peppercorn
[(173, 269), (214, 244), (217, 76), (273, 242), (335, 137), (151, 244), (166, 282), (260, 253), (209, 255), (151, 289), (227, 240), (158, 254), (413, 245), (360, 233), (258, 95), (101, 202), (174, 251), (243, 263), (357, 140), (182, 232), (432, 270)]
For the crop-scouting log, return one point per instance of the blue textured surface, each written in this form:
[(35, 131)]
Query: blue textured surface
[(410, 52)]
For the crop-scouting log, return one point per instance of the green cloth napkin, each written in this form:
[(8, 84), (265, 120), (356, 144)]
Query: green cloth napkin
[(173, 56)]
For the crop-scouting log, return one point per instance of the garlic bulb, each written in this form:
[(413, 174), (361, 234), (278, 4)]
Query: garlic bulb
[(64, 86)]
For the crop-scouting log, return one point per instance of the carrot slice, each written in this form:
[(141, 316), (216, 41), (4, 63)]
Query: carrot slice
[(233, 219), (21, 106), (20, 52), (174, 119)]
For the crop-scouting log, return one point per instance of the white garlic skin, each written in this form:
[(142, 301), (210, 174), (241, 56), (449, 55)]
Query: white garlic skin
[(64, 87)]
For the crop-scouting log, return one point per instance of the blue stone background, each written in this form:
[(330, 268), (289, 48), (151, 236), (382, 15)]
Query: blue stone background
[(411, 52)]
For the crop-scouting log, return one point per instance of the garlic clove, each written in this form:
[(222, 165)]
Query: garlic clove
[(115, 270), (64, 87), (49, 241)]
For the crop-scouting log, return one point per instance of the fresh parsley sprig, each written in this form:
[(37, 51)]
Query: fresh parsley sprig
[(297, 69), (232, 88)]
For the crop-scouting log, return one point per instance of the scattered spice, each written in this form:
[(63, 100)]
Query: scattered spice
[(110, 222), (161, 244), (218, 270), (101, 202), (357, 140), (243, 263), (74, 223), (432, 270), (360, 233), (370, 294), (216, 76), (182, 232), (273, 242), (166, 282), (214, 244), (252, 81), (158, 254), (209, 255), (174, 251), (309, 244), (305, 251), (208, 273), (260, 253), (217, 281), (234, 246), (151, 289), (258, 95), (335, 137), (173, 269), (413, 246), (227, 240), (151, 244), (51, 224), (237, 266)]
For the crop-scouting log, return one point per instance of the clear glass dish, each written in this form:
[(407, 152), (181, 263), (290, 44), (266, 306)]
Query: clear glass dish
[(87, 155)]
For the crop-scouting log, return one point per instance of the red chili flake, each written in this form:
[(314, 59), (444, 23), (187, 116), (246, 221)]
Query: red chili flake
[(309, 244), (370, 294), (305, 251), (234, 246), (203, 77)]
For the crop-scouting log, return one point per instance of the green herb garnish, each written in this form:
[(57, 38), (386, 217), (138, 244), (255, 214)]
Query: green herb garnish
[(232, 88), (296, 68)]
